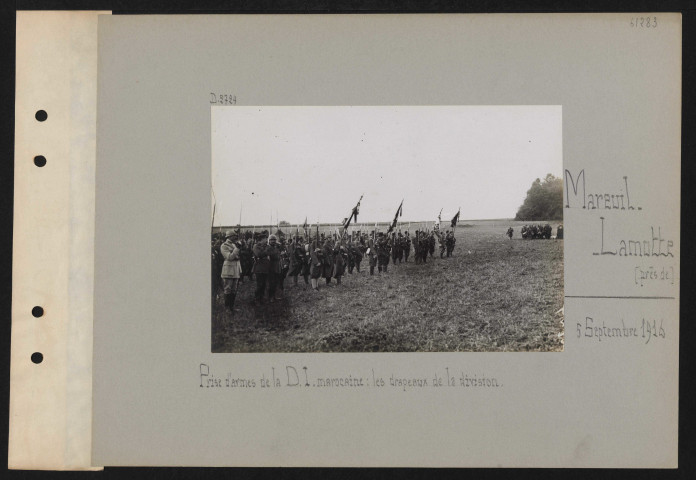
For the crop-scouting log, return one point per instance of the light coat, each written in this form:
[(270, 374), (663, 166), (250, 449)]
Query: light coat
[(231, 268)]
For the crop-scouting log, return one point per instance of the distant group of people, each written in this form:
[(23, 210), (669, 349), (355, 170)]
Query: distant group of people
[(271, 259), (537, 231)]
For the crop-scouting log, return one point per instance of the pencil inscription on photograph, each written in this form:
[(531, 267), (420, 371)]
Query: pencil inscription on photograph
[(387, 229)]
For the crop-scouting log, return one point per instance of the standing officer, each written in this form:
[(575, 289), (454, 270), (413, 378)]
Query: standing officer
[(231, 269)]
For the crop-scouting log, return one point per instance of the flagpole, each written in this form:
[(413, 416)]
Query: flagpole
[(212, 223)]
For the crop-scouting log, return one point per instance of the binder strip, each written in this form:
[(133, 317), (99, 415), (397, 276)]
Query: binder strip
[(52, 274)]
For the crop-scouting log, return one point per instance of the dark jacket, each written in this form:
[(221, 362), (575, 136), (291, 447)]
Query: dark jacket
[(267, 258)]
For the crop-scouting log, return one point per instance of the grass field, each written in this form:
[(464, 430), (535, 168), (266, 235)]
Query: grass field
[(494, 294)]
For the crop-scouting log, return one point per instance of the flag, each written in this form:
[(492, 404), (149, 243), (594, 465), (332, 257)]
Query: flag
[(304, 225), (399, 212), (455, 219), (353, 215)]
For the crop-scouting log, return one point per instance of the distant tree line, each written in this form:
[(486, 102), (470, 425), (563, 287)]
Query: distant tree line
[(544, 200)]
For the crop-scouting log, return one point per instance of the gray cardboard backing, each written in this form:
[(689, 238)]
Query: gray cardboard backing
[(609, 403)]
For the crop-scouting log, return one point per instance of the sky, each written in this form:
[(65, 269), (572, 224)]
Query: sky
[(289, 163)]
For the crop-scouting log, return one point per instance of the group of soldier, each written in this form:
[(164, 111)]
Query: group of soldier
[(273, 258), (537, 231)]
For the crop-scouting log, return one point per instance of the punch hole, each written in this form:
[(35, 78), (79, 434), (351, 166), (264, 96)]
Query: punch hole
[(39, 160), (37, 312), (41, 115), (37, 357)]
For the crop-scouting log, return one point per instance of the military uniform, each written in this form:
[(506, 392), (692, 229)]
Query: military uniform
[(547, 231), (407, 247), (383, 249), (267, 269), (284, 265), (372, 256), (350, 257), (299, 261), (339, 266), (396, 248), (216, 262), (450, 241), (231, 270), (327, 250), (246, 258)]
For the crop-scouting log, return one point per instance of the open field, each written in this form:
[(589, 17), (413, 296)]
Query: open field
[(494, 294)]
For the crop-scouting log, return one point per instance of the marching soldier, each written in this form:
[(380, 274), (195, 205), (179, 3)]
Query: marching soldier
[(357, 255), (424, 246), (350, 257), (372, 255), (417, 248), (401, 245), (327, 250), (407, 246), (284, 264), (443, 246), (450, 241), (316, 268), (559, 231), (396, 246), (339, 266), (509, 233), (383, 249)]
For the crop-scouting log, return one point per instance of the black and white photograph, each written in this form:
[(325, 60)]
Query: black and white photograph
[(387, 229)]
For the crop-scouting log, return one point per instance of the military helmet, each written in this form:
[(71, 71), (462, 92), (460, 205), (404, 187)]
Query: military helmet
[(229, 233), (272, 237)]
